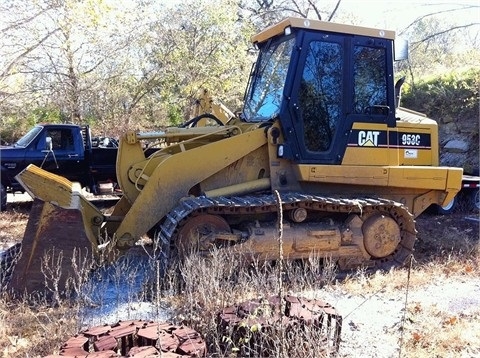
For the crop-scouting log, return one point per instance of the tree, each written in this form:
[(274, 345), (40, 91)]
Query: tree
[(267, 12), (202, 45), (16, 45), (440, 42), (118, 64), (58, 54)]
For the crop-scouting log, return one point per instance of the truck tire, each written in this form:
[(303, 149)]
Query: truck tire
[(474, 199), (446, 209), (3, 198)]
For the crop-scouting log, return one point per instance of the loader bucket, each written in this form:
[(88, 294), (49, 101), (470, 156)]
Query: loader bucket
[(60, 240), (54, 251)]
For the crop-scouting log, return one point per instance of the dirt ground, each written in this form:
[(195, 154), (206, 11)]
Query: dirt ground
[(444, 234), (432, 310)]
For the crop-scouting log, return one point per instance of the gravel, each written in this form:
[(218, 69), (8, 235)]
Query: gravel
[(372, 324)]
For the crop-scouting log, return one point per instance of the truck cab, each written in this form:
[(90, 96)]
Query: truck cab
[(63, 149), (57, 148)]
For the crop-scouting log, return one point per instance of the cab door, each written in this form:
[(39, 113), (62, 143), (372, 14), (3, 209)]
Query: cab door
[(339, 80), (317, 103)]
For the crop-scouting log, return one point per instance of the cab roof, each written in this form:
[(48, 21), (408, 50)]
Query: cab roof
[(296, 22)]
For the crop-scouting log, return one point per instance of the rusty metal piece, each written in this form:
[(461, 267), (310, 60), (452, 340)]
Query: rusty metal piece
[(140, 352), (253, 326), (135, 338)]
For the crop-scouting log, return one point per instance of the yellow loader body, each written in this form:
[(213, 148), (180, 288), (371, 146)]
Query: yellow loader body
[(321, 139)]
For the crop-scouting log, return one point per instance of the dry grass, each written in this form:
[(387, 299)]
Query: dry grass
[(13, 223), (213, 283), (34, 330), (432, 332), (198, 288)]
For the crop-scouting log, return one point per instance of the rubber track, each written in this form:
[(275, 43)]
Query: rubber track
[(267, 204), (135, 338)]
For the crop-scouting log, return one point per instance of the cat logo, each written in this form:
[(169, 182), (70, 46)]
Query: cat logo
[(368, 138)]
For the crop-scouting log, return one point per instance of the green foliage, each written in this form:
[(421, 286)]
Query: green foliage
[(448, 96), (12, 128), (14, 125), (89, 119), (45, 115), (175, 116), (201, 46)]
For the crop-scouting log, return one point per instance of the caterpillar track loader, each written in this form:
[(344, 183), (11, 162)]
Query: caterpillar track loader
[(320, 135)]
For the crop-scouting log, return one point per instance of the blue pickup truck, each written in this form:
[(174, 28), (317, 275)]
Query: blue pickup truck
[(64, 149)]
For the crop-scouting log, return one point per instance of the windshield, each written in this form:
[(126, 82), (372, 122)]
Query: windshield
[(27, 138), (265, 92)]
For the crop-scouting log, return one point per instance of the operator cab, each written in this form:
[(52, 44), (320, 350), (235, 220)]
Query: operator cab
[(319, 78)]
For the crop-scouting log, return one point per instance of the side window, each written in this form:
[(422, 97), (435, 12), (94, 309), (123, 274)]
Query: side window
[(370, 82), (62, 139), (266, 93), (320, 95)]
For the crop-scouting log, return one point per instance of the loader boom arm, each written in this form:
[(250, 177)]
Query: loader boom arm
[(172, 178)]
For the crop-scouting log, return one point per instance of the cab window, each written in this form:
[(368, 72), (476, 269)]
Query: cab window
[(370, 80), (320, 94)]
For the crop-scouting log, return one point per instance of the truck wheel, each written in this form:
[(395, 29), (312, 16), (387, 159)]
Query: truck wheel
[(3, 198), (474, 199), (447, 209)]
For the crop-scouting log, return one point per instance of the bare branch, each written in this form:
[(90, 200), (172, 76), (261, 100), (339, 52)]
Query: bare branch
[(24, 21), (27, 51), (315, 8), (91, 69), (465, 7), (334, 10), (297, 9), (444, 32)]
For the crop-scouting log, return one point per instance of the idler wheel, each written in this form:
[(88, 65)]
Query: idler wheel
[(381, 235), (198, 233)]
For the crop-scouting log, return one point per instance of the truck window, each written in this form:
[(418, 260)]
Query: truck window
[(27, 138), (320, 94), (370, 82), (62, 139)]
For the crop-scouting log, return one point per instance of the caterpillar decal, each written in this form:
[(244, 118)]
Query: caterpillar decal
[(389, 139)]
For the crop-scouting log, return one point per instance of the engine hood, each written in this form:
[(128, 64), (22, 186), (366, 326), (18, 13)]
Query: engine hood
[(11, 152)]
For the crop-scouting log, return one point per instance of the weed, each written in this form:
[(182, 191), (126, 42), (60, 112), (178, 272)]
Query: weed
[(195, 290)]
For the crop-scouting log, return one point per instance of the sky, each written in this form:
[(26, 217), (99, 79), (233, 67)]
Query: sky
[(397, 14)]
